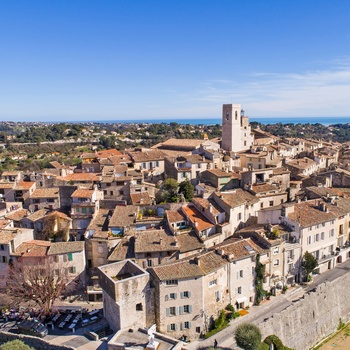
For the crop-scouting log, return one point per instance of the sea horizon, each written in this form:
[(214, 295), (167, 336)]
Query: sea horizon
[(213, 121)]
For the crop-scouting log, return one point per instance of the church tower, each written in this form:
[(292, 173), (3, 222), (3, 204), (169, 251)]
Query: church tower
[(236, 132)]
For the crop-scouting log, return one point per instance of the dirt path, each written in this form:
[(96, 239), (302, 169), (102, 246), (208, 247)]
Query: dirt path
[(341, 341)]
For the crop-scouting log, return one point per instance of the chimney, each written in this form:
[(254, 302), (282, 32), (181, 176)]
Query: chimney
[(210, 208)]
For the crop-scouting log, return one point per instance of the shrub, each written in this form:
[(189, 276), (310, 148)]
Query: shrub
[(277, 342), (15, 345), (248, 336), (231, 313)]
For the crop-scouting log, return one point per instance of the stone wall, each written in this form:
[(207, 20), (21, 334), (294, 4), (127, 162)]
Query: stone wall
[(313, 317), (34, 342)]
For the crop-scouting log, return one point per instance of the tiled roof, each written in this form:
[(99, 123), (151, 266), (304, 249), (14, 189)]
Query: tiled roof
[(100, 224), (206, 203), (37, 215), (108, 153), (4, 185), (10, 173), (175, 216), (82, 193), (309, 213), (80, 177), (24, 185), (140, 198), (237, 198), (302, 163), (123, 216), (88, 155), (260, 188), (198, 220), (198, 266), (124, 250), (180, 144), (50, 192), (220, 173), (60, 215), (147, 156), (56, 165), (154, 241), (33, 248), (7, 235), (189, 242), (65, 247), (4, 223), (324, 191), (17, 215)]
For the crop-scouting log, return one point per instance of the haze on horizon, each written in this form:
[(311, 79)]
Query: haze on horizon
[(122, 60)]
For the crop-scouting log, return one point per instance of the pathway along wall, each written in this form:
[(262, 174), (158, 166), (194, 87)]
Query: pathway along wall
[(313, 317)]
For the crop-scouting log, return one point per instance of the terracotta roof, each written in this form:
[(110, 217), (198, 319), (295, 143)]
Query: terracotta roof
[(4, 223), (189, 242), (265, 187), (198, 266), (60, 215), (302, 163), (65, 247), (8, 234), (24, 185), (198, 220), (236, 249), (123, 216), (237, 198), (140, 198), (175, 216), (80, 177), (108, 153), (37, 215), (324, 191), (88, 155), (184, 144), (56, 165), (50, 192), (17, 215), (154, 241), (100, 224), (124, 250), (33, 248), (147, 156), (206, 203), (221, 173), (82, 193), (10, 173), (4, 185)]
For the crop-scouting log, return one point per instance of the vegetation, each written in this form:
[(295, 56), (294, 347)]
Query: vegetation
[(15, 345), (309, 264), (222, 321), (172, 192), (277, 343), (259, 277), (36, 280), (187, 189), (248, 336)]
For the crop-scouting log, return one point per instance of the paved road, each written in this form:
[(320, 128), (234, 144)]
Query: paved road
[(268, 308)]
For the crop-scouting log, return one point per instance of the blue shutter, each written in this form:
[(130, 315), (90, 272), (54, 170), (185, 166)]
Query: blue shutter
[(176, 310), (189, 294), (190, 323), (168, 311), (181, 295), (181, 310), (190, 308), (175, 295)]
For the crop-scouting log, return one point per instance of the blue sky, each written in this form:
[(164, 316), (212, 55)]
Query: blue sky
[(143, 59)]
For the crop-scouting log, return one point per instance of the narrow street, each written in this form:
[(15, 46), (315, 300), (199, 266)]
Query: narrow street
[(268, 308)]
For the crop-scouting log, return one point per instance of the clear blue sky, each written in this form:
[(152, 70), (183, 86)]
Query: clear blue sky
[(136, 59)]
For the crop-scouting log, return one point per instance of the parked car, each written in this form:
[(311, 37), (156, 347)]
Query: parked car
[(32, 327)]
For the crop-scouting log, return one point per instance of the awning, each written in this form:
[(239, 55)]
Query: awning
[(241, 300)]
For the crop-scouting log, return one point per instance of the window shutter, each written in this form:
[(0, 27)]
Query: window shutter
[(167, 297), (168, 311), (190, 323), (189, 294), (175, 295), (169, 327), (74, 269), (182, 325), (181, 295), (144, 264), (190, 308), (176, 310), (176, 327), (181, 310)]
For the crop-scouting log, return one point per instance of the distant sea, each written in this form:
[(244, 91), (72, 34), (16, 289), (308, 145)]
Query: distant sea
[(213, 121)]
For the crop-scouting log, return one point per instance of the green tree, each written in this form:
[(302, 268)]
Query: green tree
[(15, 345), (259, 277), (187, 190), (309, 264), (248, 336)]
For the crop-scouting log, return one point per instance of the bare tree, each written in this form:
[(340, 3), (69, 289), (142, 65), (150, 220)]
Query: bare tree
[(36, 279)]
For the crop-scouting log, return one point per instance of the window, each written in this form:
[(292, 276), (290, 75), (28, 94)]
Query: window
[(241, 273), (239, 216), (70, 256), (172, 327), (271, 203), (172, 296), (139, 307), (171, 282), (322, 236), (4, 259), (239, 290), (217, 295), (198, 329), (149, 263), (185, 294), (331, 232), (323, 224), (56, 258), (317, 237), (309, 240), (213, 282), (72, 269), (186, 325), (261, 205), (276, 262), (187, 309), (172, 311), (2, 247), (276, 250)]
